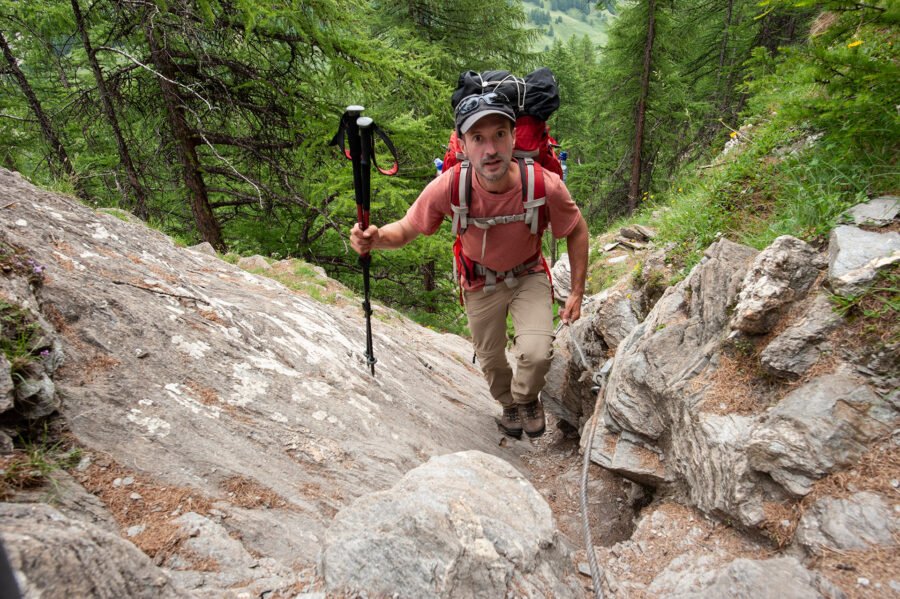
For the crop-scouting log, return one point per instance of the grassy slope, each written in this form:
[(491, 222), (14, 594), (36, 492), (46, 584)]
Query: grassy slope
[(569, 26)]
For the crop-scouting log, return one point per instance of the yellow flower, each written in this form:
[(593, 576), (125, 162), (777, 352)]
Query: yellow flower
[(733, 134), (679, 189), (854, 44)]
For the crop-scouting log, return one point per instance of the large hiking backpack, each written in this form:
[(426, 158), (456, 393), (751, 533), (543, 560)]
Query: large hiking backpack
[(534, 99)]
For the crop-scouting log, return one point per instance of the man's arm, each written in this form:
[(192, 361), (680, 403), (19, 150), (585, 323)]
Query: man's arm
[(577, 247), (391, 236)]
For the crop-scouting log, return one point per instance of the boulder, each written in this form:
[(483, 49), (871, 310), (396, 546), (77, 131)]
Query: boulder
[(825, 424), (53, 556), (777, 578), (562, 278), (878, 212), (801, 345), (255, 262), (859, 522), (204, 248), (441, 532), (780, 275), (855, 256)]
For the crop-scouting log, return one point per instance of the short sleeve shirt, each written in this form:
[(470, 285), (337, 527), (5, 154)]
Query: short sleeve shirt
[(507, 245)]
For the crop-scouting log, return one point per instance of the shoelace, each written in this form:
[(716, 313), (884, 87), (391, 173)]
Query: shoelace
[(511, 413)]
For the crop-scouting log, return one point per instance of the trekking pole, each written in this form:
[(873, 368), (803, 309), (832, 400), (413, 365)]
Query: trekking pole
[(360, 132), (363, 202)]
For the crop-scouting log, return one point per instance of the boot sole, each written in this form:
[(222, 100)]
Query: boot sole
[(536, 433), (515, 433)]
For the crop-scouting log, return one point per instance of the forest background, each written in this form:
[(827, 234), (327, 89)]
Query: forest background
[(210, 119)]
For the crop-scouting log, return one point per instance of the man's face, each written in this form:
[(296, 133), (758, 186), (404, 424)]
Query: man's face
[(489, 147)]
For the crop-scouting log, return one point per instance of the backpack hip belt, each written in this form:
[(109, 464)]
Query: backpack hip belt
[(508, 276)]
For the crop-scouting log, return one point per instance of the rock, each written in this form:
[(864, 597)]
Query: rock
[(862, 521), (796, 349), (637, 233), (36, 398), (824, 424), (670, 345), (440, 532), (781, 274), (777, 578), (610, 246), (204, 248), (856, 256), (562, 279), (255, 262), (614, 316), (239, 375), (631, 243), (234, 567), (878, 212), (54, 556), (624, 453), (7, 387)]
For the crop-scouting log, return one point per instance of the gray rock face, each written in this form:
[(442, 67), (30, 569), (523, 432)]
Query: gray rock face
[(235, 568), (462, 525), (824, 424), (55, 557), (615, 316), (670, 346), (855, 257), (192, 371), (781, 274), (651, 394), (779, 578), (562, 278), (6, 384), (877, 213), (862, 521), (795, 350)]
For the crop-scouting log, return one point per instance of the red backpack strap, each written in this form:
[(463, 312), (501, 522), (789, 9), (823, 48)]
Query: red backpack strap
[(459, 197)]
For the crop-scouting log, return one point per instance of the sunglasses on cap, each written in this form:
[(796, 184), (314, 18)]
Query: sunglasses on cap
[(470, 103)]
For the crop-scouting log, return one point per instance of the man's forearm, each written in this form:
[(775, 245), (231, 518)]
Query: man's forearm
[(395, 235), (577, 248)]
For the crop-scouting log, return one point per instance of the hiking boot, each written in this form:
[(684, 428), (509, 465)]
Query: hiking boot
[(533, 418), (511, 423)]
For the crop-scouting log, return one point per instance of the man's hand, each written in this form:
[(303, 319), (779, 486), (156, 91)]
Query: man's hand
[(362, 242), (572, 310)]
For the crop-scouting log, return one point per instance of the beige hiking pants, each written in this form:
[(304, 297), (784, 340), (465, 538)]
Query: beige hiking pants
[(529, 305)]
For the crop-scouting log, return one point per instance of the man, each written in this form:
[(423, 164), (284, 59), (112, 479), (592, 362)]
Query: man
[(486, 130)]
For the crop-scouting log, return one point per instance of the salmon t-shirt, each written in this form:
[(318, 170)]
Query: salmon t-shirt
[(507, 245)]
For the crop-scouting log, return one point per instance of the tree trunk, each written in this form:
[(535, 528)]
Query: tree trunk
[(185, 145), (61, 157), (724, 92), (428, 281), (140, 197), (634, 187)]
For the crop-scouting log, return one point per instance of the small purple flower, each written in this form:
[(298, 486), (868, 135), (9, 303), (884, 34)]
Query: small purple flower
[(38, 269), (45, 353)]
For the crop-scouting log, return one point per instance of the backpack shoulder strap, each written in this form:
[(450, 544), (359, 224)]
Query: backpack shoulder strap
[(533, 194), (459, 196)]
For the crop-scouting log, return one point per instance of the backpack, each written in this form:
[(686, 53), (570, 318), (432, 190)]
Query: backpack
[(534, 99)]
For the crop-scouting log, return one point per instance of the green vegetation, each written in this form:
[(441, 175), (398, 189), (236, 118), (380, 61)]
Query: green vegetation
[(220, 133), (34, 461)]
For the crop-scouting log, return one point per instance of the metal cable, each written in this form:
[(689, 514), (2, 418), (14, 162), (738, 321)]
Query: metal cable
[(585, 468)]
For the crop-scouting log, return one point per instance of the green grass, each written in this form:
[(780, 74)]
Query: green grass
[(591, 26)]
